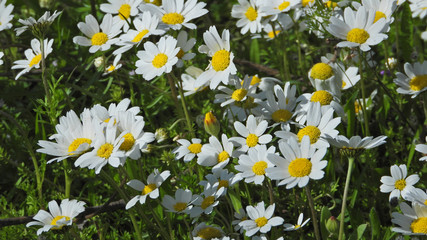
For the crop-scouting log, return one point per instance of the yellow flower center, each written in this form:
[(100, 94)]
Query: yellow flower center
[(56, 219), (255, 79), (297, 226), (209, 233), (312, 131), (155, 2), (252, 140), (331, 4), (149, 188), (425, 202), (108, 120), (35, 60), (139, 36), (223, 183), (299, 167), (305, 3), (76, 144), (180, 206), (343, 84), (251, 14), (281, 115), (111, 68), (283, 5), (419, 225), (99, 38), (160, 60), (272, 34), (357, 35), (260, 222), (128, 142), (124, 11), (220, 60), (105, 150), (259, 168), (418, 83), (180, 54), (223, 156), (357, 107), (379, 15), (239, 94), (321, 71), (173, 18), (207, 201), (195, 148), (323, 97), (400, 184)]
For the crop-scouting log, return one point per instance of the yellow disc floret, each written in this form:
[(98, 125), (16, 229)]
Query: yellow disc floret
[(222, 183), (160, 60), (36, 59), (173, 18), (259, 168), (357, 35), (321, 71), (300, 167), (331, 4), (124, 11), (139, 36), (251, 14), (99, 39), (76, 144), (260, 222), (400, 184), (283, 5), (311, 131), (128, 142), (195, 148), (239, 94), (223, 156), (148, 188), (272, 34), (418, 83), (111, 68), (252, 140), (220, 60), (180, 54), (255, 79), (209, 233), (180, 206), (305, 3), (281, 115), (105, 150), (323, 97), (155, 2), (56, 219), (419, 225), (207, 201), (379, 15)]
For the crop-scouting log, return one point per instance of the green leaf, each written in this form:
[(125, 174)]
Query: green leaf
[(325, 214), (406, 31), (360, 230), (254, 52), (375, 224), (235, 199)]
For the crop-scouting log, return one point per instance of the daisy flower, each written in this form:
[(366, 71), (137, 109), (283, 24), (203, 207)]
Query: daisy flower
[(252, 134), (284, 22), (154, 181), (350, 77), (221, 65), (216, 154), (413, 221), (145, 26), (34, 56), (261, 219), (359, 105), (417, 196), (240, 216), (95, 38), (189, 81), (301, 163), (185, 45), (113, 67), (205, 202), (101, 114), (220, 178), (39, 26), (265, 84), (383, 8), (275, 7), (205, 232), (252, 167), (300, 224), (188, 149), (176, 13), (181, 203), (355, 145), (5, 15), (58, 216), (157, 59), (418, 8), (124, 8), (398, 184), (249, 14), (358, 28), (414, 81), (422, 148), (106, 149), (242, 91)]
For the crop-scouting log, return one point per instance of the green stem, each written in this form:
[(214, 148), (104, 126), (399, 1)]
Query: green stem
[(313, 212), (184, 105), (344, 199), (188, 228), (45, 83), (362, 85), (285, 60), (68, 179), (270, 191)]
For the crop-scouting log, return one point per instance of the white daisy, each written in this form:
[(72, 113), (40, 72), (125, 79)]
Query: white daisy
[(154, 181), (350, 77), (157, 59), (358, 28), (205, 202), (398, 184), (383, 8), (252, 167), (216, 154), (113, 67), (422, 148), (220, 178), (40, 25), (261, 219), (176, 13), (242, 91), (221, 65), (416, 196), (188, 149), (283, 23), (301, 163), (181, 203), (413, 221), (101, 114), (205, 232), (185, 45), (359, 104), (34, 56), (124, 8), (356, 142), (58, 216), (418, 8), (275, 7), (414, 81), (249, 14), (252, 135), (106, 149), (98, 39), (300, 224), (189, 81), (5, 15), (265, 84), (240, 217)]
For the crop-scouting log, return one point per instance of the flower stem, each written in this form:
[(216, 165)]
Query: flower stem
[(362, 85), (43, 67), (313, 212), (344, 199), (184, 105)]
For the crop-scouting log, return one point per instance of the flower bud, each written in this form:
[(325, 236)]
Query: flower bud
[(391, 63), (161, 135), (99, 61), (332, 225), (211, 124)]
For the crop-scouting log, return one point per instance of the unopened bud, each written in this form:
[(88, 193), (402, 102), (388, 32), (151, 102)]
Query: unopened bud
[(211, 124), (332, 225), (391, 63), (98, 62), (161, 135)]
